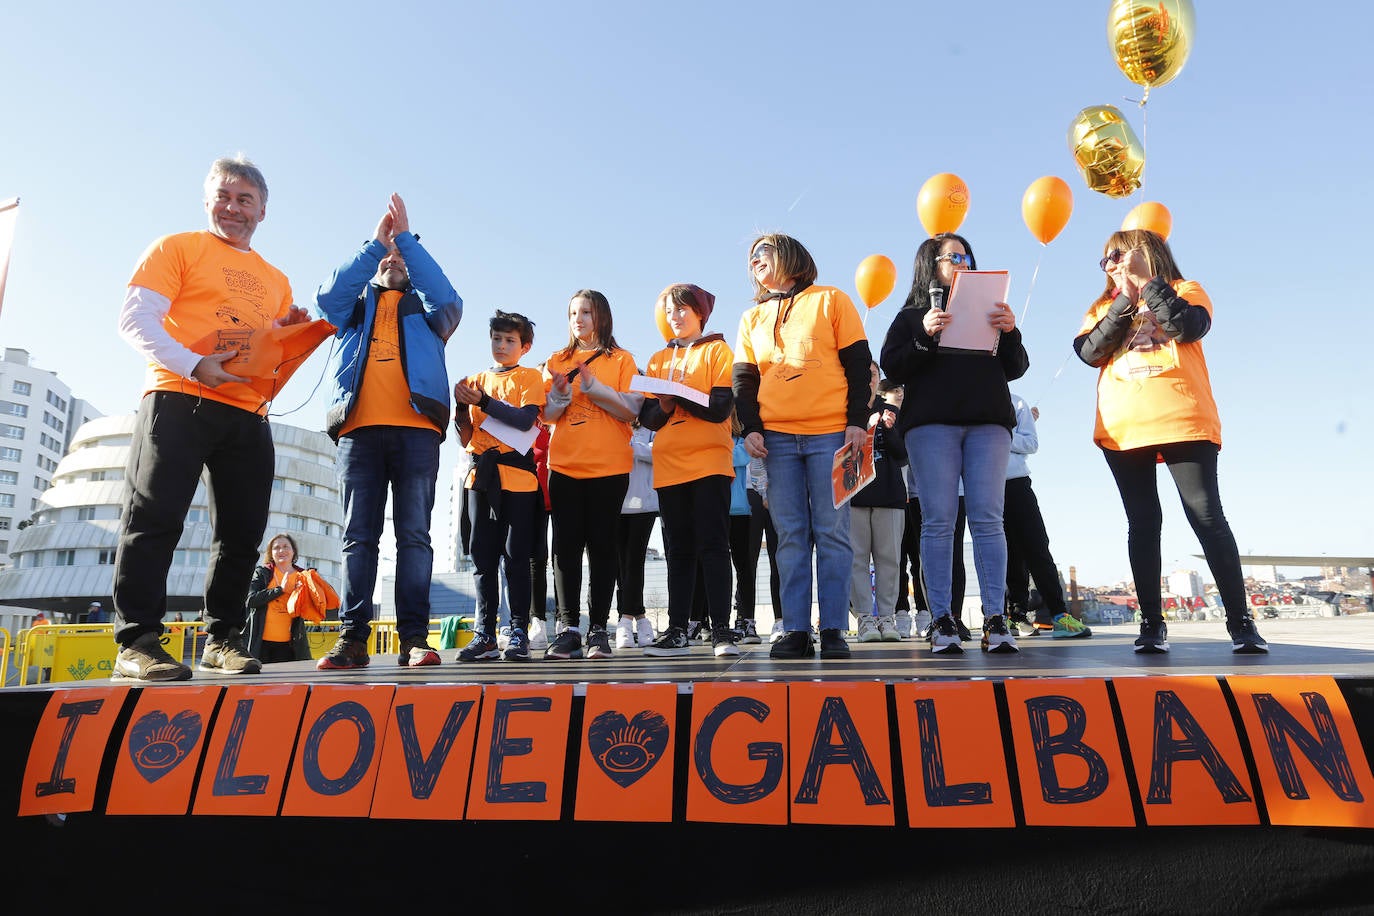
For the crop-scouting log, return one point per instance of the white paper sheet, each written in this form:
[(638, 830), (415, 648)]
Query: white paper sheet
[(650, 385), (971, 300), (522, 440)]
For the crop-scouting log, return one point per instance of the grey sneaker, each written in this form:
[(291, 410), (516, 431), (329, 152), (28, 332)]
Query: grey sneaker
[(887, 628), (229, 656), (144, 659), (868, 629)]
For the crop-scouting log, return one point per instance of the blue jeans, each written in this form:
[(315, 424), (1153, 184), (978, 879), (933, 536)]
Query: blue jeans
[(372, 461), (802, 504), (940, 456)]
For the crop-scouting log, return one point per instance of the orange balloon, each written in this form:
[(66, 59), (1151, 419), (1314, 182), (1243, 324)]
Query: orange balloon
[(661, 317), (1046, 207), (1150, 215), (875, 278), (942, 203)]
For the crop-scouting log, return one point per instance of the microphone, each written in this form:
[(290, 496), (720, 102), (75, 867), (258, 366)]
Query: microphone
[(937, 297)]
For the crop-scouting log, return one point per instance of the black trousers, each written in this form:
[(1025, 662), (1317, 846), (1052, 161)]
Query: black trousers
[(176, 436), (501, 543), (539, 559), (695, 518), (1028, 550), (585, 513), (1193, 466), (632, 542)]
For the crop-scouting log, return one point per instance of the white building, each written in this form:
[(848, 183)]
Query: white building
[(64, 559), (1185, 583), (37, 417)]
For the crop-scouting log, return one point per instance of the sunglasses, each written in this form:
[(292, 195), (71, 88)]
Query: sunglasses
[(759, 253), (958, 260), (1114, 257)]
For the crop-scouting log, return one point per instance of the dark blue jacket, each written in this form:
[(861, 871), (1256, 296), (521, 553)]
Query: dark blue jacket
[(427, 315)]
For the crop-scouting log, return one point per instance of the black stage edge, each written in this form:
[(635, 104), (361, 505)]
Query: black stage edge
[(331, 865)]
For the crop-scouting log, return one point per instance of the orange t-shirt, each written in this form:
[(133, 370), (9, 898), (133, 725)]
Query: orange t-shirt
[(796, 344), (276, 623), (219, 297), (384, 396), (518, 386), (689, 448), (586, 441), (1154, 390)]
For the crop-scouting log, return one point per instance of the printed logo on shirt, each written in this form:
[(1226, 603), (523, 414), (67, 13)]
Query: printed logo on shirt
[(794, 360), (1147, 352)]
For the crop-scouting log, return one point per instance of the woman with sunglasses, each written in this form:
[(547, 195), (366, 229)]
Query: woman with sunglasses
[(957, 419), (1155, 404), (801, 391)]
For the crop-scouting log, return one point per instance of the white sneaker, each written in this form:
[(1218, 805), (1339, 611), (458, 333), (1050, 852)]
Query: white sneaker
[(538, 635), (778, 632), (625, 633), (887, 629), (902, 622), (644, 631), (922, 622), (503, 638), (868, 629)]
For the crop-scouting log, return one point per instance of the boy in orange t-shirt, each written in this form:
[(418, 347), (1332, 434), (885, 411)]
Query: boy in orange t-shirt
[(493, 410)]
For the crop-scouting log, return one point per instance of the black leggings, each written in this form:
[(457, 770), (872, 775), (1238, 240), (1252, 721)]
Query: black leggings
[(586, 515), (1194, 469)]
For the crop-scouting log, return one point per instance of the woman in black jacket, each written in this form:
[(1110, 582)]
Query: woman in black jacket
[(957, 420), (274, 634)]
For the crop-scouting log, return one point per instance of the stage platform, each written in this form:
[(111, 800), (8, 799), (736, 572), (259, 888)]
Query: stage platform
[(1073, 776)]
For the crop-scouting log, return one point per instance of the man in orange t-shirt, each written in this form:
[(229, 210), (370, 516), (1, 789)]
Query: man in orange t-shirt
[(192, 292)]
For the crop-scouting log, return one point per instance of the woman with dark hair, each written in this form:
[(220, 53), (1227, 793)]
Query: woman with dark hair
[(274, 634), (957, 420), (801, 388), (589, 413), (1154, 405)]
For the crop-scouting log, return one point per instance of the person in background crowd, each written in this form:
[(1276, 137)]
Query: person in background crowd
[(638, 513), (877, 516), (274, 633), (1154, 404)]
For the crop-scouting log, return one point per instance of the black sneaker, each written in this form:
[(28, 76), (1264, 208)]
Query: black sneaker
[(964, 634), (1154, 637), (996, 636), (598, 642), (1245, 639), (1018, 617), (417, 653), (518, 646), (144, 659), (748, 633), (347, 653), (228, 655), (833, 644), (567, 644), (794, 644), (944, 635), (672, 643), (723, 642), (481, 648)]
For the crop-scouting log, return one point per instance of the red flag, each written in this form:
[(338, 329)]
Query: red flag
[(9, 214)]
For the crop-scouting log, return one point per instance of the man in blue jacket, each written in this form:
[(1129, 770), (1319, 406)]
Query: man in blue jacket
[(395, 311)]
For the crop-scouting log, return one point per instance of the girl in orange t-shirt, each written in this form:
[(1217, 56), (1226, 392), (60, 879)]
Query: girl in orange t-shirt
[(693, 467), (1155, 404), (589, 411), (275, 635)]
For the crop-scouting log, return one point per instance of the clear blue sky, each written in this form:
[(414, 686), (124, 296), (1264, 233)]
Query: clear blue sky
[(546, 147)]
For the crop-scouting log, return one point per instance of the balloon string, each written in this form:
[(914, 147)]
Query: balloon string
[(1025, 308), (1052, 380)]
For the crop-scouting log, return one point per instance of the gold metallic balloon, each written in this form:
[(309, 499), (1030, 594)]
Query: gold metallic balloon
[(1106, 150), (1150, 39)]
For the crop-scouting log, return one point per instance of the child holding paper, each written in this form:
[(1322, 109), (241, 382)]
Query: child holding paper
[(693, 468), (502, 483)]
